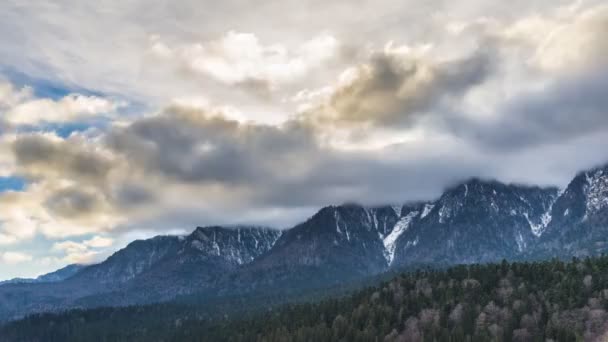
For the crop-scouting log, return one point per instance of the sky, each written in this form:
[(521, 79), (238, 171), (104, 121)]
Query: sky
[(121, 120)]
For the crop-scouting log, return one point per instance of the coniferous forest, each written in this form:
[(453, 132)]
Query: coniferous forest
[(541, 301)]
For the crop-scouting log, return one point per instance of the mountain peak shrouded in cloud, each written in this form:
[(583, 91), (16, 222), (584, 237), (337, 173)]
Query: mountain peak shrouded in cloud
[(183, 115), (472, 222)]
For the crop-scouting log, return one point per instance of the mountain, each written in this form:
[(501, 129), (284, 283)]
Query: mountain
[(202, 257), (138, 257), (477, 221), (578, 222), (337, 244), (59, 275), (144, 271)]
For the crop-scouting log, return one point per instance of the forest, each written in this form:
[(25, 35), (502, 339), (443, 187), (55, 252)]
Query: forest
[(534, 301)]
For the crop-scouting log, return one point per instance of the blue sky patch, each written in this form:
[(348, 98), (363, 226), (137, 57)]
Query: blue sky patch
[(44, 88), (64, 130), (12, 183)]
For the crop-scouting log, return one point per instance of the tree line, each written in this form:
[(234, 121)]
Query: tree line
[(533, 301)]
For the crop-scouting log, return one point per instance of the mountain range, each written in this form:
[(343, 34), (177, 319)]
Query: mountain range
[(477, 221)]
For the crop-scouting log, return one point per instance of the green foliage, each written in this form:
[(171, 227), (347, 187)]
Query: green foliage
[(544, 301)]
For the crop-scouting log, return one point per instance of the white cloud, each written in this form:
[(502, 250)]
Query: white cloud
[(99, 242), (6, 239), (10, 97), (70, 247), (69, 108), (13, 258), (571, 40), (65, 192), (84, 252), (240, 59)]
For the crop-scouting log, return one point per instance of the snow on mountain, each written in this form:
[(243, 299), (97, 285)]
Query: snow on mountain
[(390, 241), (475, 220), (427, 209), (596, 191), (236, 245)]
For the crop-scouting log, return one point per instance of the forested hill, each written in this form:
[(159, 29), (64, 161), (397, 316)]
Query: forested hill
[(547, 301)]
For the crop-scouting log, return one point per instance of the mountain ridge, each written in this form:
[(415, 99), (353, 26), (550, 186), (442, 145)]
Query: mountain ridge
[(476, 221), (54, 276)]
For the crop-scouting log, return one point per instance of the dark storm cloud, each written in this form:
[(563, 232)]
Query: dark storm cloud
[(569, 108), (38, 154), (372, 178), (73, 203), (285, 166), (130, 195), (195, 146)]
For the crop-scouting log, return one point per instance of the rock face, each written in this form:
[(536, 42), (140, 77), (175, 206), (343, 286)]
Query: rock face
[(474, 222)]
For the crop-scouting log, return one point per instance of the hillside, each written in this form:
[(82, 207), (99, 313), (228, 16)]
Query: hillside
[(546, 301)]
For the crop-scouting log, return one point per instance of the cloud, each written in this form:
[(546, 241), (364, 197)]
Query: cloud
[(99, 242), (240, 59), (7, 162), (563, 93), (19, 106), (6, 239), (70, 108), (567, 108), (13, 258), (80, 185), (574, 41), (398, 84), (193, 145), (83, 252), (69, 247), (194, 152), (27, 213), (73, 202), (47, 155), (67, 190), (10, 97)]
